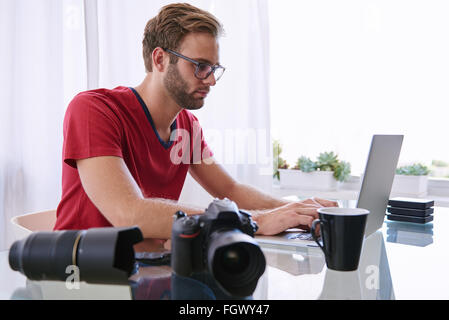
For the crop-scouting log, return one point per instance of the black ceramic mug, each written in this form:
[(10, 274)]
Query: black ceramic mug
[(342, 232)]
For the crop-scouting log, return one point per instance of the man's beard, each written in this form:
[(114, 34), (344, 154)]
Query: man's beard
[(177, 88)]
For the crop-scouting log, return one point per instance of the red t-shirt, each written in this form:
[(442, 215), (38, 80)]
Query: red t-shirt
[(117, 122)]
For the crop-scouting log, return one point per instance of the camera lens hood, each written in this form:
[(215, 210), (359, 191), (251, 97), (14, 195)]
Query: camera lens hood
[(107, 257)]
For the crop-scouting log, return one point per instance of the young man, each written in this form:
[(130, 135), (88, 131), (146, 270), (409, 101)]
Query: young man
[(122, 147)]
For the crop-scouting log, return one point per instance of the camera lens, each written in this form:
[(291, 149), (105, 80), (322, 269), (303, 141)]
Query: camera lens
[(236, 261), (44, 255), (103, 255)]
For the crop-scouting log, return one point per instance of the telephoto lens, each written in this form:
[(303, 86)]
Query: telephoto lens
[(102, 255)]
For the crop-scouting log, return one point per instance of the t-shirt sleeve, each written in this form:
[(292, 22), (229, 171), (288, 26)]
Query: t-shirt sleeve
[(91, 129)]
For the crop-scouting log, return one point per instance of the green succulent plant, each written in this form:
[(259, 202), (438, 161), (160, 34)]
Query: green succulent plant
[(342, 171), (326, 161), (416, 169), (440, 163), (278, 162), (305, 164)]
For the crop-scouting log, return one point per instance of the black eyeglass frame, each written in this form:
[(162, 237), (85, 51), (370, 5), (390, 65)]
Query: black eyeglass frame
[(197, 63)]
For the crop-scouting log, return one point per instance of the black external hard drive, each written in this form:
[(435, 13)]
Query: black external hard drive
[(410, 212), (397, 217), (411, 203)]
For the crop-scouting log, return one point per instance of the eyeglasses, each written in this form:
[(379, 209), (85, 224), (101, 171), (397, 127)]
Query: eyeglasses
[(203, 70)]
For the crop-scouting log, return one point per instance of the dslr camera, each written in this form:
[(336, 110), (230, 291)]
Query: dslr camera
[(221, 243)]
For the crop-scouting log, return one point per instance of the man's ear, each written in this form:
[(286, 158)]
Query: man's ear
[(160, 60)]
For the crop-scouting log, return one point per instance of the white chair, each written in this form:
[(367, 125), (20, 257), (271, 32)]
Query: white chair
[(37, 221), (23, 226)]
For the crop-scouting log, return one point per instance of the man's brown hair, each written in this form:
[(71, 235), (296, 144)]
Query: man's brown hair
[(174, 21)]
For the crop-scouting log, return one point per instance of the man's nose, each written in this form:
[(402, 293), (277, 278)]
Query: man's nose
[(210, 80)]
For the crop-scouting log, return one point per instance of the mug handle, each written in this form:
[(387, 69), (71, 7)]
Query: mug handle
[(314, 223)]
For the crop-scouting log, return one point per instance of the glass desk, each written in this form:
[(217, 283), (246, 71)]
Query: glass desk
[(400, 261)]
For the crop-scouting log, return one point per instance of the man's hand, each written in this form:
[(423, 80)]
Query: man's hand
[(320, 202), (293, 215)]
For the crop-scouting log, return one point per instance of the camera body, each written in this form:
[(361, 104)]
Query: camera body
[(220, 242)]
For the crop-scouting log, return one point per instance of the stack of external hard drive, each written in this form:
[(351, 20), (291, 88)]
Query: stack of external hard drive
[(410, 210)]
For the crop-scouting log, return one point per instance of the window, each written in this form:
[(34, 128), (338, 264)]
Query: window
[(342, 71)]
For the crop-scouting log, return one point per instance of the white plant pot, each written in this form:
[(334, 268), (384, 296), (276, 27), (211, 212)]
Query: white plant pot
[(415, 186), (316, 180)]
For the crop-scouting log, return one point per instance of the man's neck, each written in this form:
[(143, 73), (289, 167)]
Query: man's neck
[(162, 108)]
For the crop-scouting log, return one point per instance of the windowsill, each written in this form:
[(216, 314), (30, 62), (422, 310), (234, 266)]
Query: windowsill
[(438, 190)]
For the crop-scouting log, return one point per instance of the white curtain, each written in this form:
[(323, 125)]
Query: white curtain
[(37, 44), (53, 49)]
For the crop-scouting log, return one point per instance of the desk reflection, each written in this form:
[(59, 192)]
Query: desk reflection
[(58, 290), (306, 260), (413, 234), (168, 285), (371, 281), (147, 283)]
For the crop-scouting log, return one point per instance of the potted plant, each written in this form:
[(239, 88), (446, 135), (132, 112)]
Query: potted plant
[(322, 174), (411, 180), (278, 162), (439, 169)]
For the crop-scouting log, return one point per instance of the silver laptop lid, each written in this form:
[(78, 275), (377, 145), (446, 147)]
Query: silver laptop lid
[(378, 178)]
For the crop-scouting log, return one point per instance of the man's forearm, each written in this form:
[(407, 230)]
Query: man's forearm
[(155, 216), (250, 198)]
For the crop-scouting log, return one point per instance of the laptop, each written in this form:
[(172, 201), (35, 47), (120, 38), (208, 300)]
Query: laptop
[(374, 192)]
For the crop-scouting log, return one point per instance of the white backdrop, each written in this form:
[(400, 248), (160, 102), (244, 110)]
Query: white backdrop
[(52, 49), (356, 68)]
